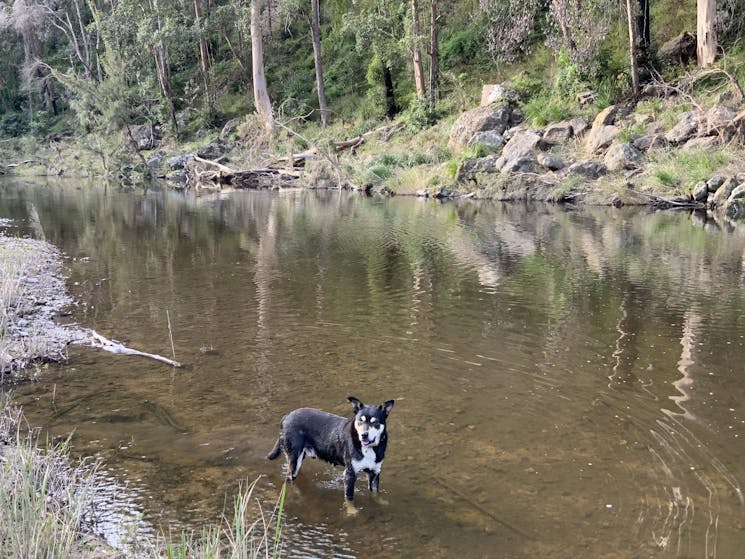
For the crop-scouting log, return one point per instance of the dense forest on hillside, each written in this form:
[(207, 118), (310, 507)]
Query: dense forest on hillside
[(74, 69)]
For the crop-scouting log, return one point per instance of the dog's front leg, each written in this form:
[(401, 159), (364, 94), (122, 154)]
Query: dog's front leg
[(373, 481), (349, 478)]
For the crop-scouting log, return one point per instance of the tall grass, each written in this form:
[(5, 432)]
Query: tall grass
[(682, 169), (44, 500), (249, 534), (47, 509)]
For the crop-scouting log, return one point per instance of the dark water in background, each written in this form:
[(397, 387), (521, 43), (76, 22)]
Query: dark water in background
[(567, 383)]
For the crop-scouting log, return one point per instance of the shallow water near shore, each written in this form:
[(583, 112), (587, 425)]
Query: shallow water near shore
[(568, 383)]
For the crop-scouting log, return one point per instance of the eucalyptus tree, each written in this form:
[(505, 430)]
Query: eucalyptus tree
[(706, 32), (417, 53), (310, 11), (379, 27), (28, 20), (204, 57), (511, 25), (583, 27), (261, 95)]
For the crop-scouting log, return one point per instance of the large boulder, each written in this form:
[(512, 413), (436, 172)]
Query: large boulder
[(145, 136), (589, 169), (600, 137), (480, 119), (523, 164), (606, 117), (718, 118), (623, 156), (685, 129), (557, 133), (498, 93), (679, 50), (468, 168), (722, 194), (735, 205), (700, 192), (522, 143), (489, 138)]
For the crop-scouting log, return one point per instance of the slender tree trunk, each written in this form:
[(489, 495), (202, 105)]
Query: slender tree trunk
[(416, 53), (642, 24), (706, 32), (204, 58), (315, 32), (390, 98), (634, 63), (434, 54), (163, 69), (261, 95)]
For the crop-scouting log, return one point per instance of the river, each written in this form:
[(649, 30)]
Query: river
[(568, 382)]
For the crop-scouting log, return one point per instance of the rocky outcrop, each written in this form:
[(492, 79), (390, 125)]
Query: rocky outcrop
[(623, 156), (685, 129), (539, 160), (600, 138), (145, 136), (522, 143), (491, 118)]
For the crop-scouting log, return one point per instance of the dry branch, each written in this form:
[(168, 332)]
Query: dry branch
[(97, 340), (221, 174), (26, 162)]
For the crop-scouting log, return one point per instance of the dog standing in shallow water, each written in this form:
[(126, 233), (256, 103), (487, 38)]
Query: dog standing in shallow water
[(358, 444)]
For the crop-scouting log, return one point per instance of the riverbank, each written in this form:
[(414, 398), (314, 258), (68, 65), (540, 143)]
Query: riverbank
[(670, 148), (32, 299), (48, 500)]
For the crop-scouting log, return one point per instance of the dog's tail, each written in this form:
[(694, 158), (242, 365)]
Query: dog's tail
[(276, 450)]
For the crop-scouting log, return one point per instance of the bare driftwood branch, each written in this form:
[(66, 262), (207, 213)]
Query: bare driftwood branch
[(25, 162), (97, 340)]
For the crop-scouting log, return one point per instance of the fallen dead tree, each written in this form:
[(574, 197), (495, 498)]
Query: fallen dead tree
[(94, 339), (208, 173)]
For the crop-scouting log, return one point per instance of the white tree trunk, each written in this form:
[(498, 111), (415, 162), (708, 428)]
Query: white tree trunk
[(416, 53), (633, 59), (706, 32), (316, 37), (261, 95)]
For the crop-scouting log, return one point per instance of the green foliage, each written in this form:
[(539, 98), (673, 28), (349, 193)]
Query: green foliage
[(475, 151), (464, 46), (543, 109), (684, 168), (417, 117)]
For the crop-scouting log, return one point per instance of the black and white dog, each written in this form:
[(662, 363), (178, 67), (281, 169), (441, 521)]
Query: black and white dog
[(358, 444)]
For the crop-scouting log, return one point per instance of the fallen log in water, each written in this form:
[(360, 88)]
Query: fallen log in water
[(219, 174), (95, 339)]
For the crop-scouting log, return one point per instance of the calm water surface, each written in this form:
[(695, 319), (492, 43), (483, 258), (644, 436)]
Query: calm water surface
[(568, 383)]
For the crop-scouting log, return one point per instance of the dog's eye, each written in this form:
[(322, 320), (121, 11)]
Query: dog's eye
[(362, 418), (372, 420)]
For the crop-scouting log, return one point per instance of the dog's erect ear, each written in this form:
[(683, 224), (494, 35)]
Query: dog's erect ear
[(356, 404), (387, 406)]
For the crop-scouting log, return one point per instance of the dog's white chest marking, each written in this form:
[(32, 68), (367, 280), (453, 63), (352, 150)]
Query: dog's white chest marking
[(368, 462)]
